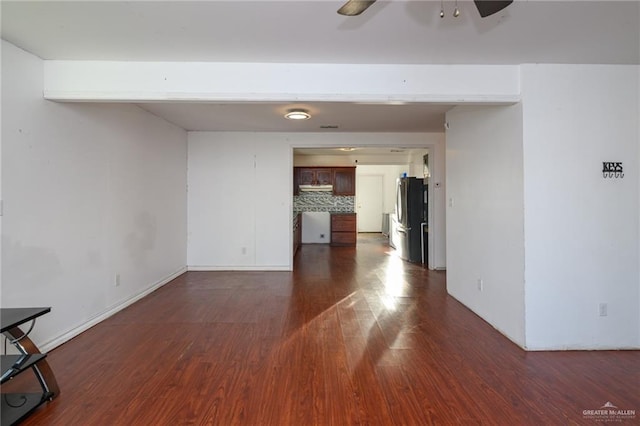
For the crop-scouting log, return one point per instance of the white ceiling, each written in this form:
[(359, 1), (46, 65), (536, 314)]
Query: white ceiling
[(391, 32), (303, 31)]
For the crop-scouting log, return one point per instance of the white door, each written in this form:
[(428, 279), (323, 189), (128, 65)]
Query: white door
[(369, 202)]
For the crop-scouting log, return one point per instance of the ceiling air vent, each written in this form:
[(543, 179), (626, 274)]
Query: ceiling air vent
[(329, 126)]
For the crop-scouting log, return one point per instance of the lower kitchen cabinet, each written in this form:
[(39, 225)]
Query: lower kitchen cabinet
[(343, 229), (297, 232)]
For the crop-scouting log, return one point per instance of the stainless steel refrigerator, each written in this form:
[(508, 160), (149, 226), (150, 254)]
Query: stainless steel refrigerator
[(410, 214)]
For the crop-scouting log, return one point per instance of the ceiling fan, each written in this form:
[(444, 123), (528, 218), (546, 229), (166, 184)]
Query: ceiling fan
[(485, 7)]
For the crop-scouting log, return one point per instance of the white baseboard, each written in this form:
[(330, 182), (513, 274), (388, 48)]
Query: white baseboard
[(286, 268), (558, 348), (57, 341)]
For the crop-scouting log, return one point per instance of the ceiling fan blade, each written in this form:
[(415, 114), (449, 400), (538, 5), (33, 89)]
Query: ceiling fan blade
[(355, 7), (489, 7)]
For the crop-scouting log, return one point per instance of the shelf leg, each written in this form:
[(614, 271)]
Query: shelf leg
[(42, 370)]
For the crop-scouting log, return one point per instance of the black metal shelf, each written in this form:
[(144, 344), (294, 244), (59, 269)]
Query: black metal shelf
[(13, 317), (12, 365), (17, 406)]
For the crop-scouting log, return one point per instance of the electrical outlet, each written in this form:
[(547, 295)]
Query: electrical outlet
[(480, 284), (116, 280), (602, 309)]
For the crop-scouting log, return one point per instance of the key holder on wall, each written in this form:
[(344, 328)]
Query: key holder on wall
[(612, 170)]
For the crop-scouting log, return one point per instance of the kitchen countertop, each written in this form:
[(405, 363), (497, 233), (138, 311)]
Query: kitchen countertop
[(328, 211)]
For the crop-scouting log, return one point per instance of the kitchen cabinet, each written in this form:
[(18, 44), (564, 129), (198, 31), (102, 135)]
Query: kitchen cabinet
[(344, 181), (343, 229), (314, 175), (299, 176), (304, 176), (297, 232), (311, 176), (323, 177)]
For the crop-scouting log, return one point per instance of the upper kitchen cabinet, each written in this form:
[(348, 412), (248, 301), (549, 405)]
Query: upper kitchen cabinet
[(311, 176), (322, 177), (305, 176), (344, 181)]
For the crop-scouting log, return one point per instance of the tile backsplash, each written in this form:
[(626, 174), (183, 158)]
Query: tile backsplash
[(323, 202)]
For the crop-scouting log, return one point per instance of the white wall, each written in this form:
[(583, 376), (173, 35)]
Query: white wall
[(1, 206), (239, 201), (90, 191), (416, 166), (581, 230), (485, 231), (240, 215)]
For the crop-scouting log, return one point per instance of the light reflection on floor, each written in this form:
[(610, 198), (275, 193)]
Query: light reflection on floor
[(393, 281)]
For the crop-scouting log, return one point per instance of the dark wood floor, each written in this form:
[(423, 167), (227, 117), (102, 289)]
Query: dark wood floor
[(352, 337)]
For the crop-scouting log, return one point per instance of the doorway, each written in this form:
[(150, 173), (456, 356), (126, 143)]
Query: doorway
[(369, 202), (388, 162)]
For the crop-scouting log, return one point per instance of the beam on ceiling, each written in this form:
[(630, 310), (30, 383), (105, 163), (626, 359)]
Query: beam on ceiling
[(229, 82)]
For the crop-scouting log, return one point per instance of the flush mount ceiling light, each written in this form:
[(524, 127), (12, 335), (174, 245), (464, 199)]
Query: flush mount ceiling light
[(347, 149), (297, 114)]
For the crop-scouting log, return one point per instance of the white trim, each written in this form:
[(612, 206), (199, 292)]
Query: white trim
[(580, 348), (70, 334), (498, 329), (130, 96), (286, 268)]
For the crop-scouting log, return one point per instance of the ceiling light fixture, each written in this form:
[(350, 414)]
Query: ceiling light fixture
[(297, 114)]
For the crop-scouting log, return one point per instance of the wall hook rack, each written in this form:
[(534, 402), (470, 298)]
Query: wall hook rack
[(612, 170)]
